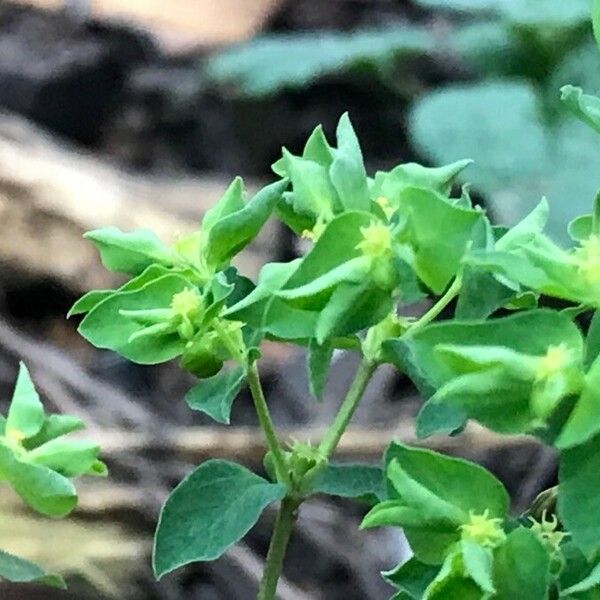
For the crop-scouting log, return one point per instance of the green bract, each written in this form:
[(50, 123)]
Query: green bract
[(374, 246)]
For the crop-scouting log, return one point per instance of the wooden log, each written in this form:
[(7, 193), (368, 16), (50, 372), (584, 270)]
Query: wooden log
[(50, 194)]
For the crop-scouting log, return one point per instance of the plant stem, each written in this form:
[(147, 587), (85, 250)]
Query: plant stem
[(281, 536), (265, 421), (347, 408), (438, 307)]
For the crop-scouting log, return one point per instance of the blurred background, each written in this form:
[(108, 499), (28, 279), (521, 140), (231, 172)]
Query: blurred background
[(137, 113)]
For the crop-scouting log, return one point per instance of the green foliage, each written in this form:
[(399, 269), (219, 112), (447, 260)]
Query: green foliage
[(211, 509), (274, 62), (375, 245), (37, 461)]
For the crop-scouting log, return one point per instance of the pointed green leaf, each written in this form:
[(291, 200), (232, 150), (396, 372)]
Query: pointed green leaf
[(67, 457), (90, 300), (25, 413), (54, 426), (478, 564), (106, 327), (231, 202), (209, 511), (215, 395), (40, 488), (132, 252), (233, 233), (19, 570)]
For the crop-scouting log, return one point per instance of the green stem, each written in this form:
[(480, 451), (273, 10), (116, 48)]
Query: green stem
[(266, 423), (347, 409), (286, 519), (438, 307)]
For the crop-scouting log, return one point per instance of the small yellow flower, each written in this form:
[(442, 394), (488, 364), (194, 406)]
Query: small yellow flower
[(483, 530), (587, 259), (15, 435), (186, 303), (315, 233), (387, 208), (377, 240), (555, 360)]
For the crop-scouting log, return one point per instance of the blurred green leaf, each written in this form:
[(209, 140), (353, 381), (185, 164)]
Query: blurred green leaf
[(519, 157), (362, 482), (274, 62), (19, 570)]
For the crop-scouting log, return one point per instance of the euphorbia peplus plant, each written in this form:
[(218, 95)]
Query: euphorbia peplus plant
[(37, 461), (379, 244)]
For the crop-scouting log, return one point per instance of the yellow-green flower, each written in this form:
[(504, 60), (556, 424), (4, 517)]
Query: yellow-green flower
[(377, 240), (483, 530)]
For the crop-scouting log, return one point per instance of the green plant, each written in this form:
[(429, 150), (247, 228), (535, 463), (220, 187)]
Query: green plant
[(380, 243), (37, 462)]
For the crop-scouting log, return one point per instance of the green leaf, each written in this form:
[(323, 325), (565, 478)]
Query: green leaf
[(521, 567), (347, 170), (432, 495), (40, 488), (215, 395), (584, 107), (318, 363), (463, 484), (497, 394), (481, 294), (231, 202), (584, 421), (352, 308), (273, 62), (588, 583), (209, 511), (67, 457), (106, 327), (478, 564), (54, 426), (234, 232), (19, 570), (25, 413), (363, 482), (581, 228), (313, 194), (578, 493), (451, 581), (336, 247), (439, 233), (412, 577), (90, 300), (519, 157), (130, 252), (412, 175)]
